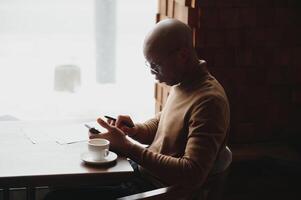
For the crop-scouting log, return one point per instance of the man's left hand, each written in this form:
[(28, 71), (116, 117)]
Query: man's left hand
[(118, 141)]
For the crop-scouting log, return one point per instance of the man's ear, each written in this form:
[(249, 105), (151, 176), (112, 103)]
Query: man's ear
[(183, 54)]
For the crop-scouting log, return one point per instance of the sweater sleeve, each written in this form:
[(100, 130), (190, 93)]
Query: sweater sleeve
[(207, 126), (147, 130)]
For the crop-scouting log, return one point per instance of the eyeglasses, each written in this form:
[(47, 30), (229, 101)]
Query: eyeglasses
[(155, 68)]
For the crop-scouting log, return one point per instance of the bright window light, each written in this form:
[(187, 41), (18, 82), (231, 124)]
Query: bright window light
[(46, 45)]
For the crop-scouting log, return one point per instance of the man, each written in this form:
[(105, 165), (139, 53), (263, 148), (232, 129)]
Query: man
[(189, 135), (187, 139)]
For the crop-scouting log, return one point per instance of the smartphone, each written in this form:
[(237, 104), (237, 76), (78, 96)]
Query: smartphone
[(114, 119), (92, 129)]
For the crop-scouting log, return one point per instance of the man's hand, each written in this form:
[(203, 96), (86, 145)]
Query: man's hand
[(116, 136), (122, 121)]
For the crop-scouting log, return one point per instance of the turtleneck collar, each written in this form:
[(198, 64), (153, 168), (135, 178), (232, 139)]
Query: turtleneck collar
[(197, 76)]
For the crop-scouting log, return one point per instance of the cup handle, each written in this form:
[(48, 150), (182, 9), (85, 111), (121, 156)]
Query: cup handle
[(107, 152)]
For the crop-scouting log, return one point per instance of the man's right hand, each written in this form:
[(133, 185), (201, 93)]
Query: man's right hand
[(121, 122)]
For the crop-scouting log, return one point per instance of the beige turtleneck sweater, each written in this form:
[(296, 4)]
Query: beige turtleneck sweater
[(187, 136)]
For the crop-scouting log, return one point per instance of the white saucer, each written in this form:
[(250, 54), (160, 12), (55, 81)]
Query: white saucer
[(87, 158)]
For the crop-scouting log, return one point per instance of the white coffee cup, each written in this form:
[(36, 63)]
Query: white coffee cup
[(98, 148)]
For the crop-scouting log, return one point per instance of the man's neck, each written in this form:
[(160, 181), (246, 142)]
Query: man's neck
[(195, 71)]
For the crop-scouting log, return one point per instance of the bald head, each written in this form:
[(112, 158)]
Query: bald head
[(166, 36), (169, 51)]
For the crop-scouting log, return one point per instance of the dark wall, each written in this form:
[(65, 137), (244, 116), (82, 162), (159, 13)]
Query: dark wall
[(253, 47)]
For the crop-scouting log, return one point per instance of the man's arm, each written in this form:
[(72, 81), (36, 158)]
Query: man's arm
[(208, 124), (146, 131)]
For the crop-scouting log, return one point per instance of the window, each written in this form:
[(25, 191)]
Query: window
[(40, 38)]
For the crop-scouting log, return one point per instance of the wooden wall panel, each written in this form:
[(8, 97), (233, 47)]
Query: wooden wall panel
[(253, 48)]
